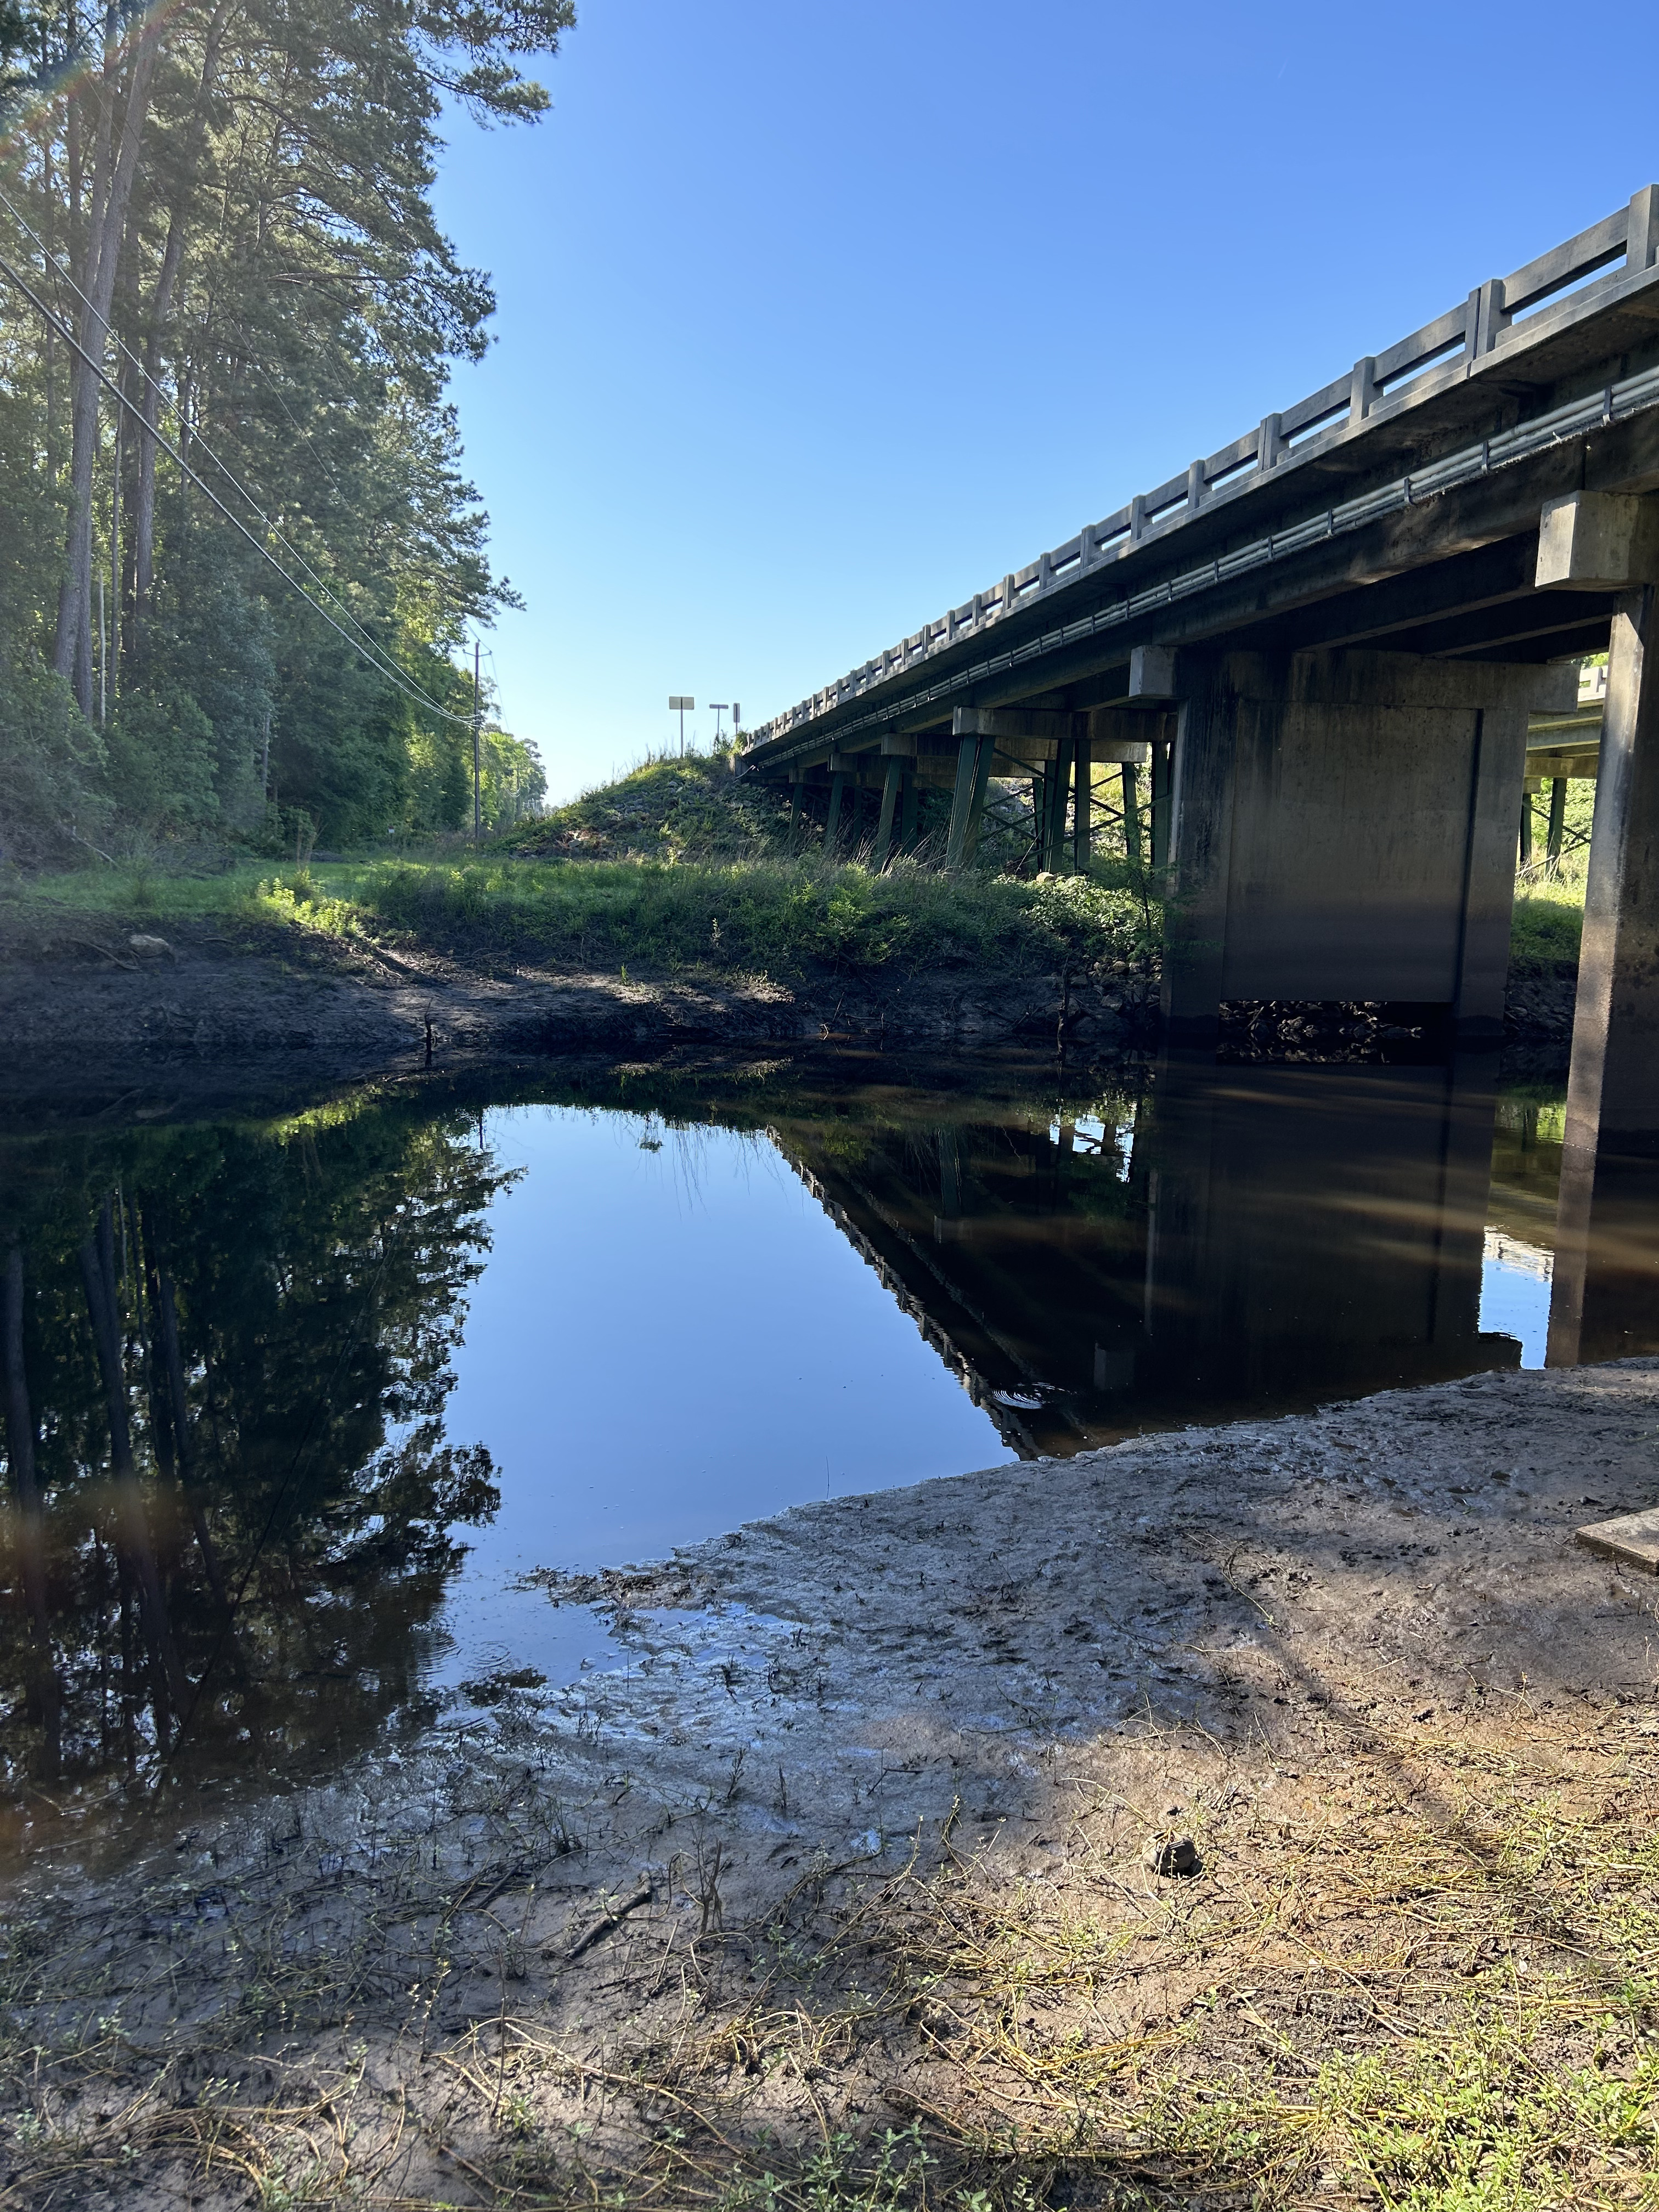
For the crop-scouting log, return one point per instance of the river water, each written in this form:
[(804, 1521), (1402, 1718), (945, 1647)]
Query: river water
[(308, 1396)]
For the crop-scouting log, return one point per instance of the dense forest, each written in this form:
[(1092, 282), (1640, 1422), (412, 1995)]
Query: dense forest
[(239, 562)]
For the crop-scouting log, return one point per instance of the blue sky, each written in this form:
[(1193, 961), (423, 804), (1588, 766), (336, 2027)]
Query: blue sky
[(814, 320)]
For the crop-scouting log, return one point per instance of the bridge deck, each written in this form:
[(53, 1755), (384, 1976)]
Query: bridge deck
[(1397, 505)]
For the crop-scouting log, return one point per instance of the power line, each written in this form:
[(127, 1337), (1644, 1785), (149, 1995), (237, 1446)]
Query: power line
[(381, 666), (229, 475)]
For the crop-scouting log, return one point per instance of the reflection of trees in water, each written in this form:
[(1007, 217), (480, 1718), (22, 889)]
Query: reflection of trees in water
[(225, 1356)]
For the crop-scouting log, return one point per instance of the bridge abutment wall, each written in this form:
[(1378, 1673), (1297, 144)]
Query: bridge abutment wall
[(1344, 829)]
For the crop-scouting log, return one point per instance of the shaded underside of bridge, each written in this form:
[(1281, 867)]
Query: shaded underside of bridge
[(1333, 639)]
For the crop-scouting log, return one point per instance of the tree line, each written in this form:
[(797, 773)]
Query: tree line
[(227, 324)]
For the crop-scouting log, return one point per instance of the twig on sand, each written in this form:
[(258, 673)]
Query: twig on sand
[(606, 1921)]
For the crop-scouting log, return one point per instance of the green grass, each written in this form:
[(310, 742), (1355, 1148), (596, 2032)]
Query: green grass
[(1549, 914), (778, 918), (131, 892), (678, 866)]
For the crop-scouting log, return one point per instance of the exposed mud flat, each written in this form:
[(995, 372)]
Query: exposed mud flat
[(113, 993), (1302, 1643), (254, 997)]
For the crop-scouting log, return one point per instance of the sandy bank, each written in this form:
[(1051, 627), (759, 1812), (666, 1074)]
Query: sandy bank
[(766, 1883)]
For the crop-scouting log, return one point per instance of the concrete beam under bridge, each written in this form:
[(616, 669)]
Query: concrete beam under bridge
[(1344, 829)]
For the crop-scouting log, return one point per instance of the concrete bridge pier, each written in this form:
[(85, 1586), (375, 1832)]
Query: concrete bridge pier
[(1592, 542), (1344, 827), (1604, 1300)]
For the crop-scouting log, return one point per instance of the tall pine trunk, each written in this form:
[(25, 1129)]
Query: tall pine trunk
[(114, 170), (144, 516), (143, 511)]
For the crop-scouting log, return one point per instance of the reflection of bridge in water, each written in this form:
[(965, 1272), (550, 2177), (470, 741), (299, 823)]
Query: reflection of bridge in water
[(1229, 1240), (1331, 641)]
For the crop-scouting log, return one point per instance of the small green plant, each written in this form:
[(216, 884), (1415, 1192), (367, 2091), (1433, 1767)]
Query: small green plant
[(299, 898), (517, 2116)]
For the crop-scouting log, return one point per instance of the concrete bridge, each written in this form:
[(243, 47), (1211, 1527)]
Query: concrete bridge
[(1331, 640)]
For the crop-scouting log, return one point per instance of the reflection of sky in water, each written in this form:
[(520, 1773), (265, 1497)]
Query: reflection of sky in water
[(669, 1338), (1515, 1299), (666, 1343)]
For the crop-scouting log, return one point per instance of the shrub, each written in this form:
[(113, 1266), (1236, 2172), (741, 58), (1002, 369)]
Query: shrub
[(51, 764)]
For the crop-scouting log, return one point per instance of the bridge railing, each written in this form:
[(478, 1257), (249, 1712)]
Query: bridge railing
[(1557, 288)]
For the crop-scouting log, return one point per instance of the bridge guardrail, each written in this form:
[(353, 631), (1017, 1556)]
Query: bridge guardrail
[(1555, 288)]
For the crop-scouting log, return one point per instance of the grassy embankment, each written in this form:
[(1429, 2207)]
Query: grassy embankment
[(679, 869)]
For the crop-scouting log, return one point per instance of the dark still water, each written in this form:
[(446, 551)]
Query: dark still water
[(291, 1405)]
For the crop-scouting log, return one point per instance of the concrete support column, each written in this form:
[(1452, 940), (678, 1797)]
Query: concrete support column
[(1613, 1088), (1058, 791), (962, 802), (1344, 828), (1131, 775), (968, 804), (1558, 820), (1201, 811), (1595, 542), (1082, 804), (832, 821), (891, 781), (1162, 750)]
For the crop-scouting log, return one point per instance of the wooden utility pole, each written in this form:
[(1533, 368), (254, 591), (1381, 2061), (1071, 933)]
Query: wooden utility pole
[(477, 794)]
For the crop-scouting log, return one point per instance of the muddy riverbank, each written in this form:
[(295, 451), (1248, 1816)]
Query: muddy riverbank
[(95, 994), (109, 990), (864, 1833)]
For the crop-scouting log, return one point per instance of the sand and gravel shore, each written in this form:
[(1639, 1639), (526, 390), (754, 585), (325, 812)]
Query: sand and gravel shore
[(1307, 1643)]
